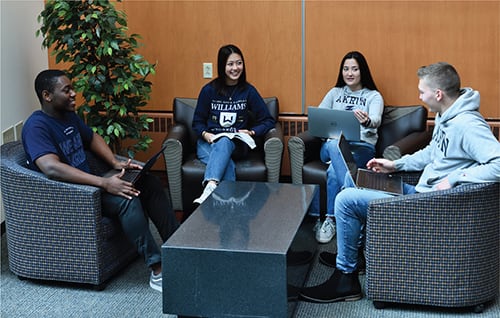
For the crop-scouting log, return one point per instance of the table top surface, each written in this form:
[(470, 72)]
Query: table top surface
[(246, 216)]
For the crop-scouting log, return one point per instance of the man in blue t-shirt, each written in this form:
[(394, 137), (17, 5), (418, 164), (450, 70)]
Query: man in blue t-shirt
[(55, 140)]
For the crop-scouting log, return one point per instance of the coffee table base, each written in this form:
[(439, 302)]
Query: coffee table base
[(227, 263)]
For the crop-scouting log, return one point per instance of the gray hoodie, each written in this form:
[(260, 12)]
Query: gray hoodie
[(364, 99), (463, 148)]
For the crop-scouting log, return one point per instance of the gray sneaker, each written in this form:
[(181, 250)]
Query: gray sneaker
[(155, 281), (326, 232)]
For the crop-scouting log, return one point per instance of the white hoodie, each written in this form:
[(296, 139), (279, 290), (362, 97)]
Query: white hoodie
[(463, 148)]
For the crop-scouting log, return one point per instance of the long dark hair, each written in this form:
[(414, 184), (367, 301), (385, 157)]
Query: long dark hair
[(220, 82), (366, 76)]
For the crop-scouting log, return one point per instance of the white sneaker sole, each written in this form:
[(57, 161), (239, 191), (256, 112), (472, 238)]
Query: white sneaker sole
[(156, 287), (324, 240)]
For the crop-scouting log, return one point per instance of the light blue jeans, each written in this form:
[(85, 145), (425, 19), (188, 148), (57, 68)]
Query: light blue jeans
[(217, 157), (362, 152), (351, 209)]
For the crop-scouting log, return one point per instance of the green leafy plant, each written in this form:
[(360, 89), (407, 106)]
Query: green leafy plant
[(91, 35)]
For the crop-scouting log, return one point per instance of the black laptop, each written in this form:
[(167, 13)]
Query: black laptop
[(368, 179), (134, 175)]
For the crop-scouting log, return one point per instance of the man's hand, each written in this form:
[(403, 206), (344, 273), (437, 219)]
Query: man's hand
[(115, 185), (119, 165), (381, 165), (443, 185)]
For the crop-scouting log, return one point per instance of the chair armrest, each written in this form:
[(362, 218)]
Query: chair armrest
[(177, 143), (407, 145), (273, 153), (302, 149), (427, 220), (70, 212), (441, 204)]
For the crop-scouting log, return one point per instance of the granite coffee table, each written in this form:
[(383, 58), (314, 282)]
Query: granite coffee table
[(228, 259)]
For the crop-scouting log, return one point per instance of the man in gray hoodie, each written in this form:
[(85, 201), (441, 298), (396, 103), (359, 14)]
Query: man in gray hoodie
[(462, 150)]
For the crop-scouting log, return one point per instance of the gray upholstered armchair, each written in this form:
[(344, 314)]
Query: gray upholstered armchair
[(55, 230), (185, 172), (439, 248), (403, 131)]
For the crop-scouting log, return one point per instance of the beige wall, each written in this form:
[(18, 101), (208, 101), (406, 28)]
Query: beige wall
[(22, 59)]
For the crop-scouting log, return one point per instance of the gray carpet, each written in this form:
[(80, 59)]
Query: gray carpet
[(129, 295)]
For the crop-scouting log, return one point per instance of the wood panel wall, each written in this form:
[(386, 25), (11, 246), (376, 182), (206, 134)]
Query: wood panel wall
[(181, 35), (395, 36)]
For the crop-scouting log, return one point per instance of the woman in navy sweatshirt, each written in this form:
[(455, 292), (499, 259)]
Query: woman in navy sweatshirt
[(223, 106)]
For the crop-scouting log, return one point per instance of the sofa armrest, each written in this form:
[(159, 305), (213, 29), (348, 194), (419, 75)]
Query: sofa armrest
[(273, 153), (407, 145), (177, 143)]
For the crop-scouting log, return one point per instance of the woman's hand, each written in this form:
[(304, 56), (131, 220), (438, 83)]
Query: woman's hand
[(248, 132), (362, 116), (207, 136)]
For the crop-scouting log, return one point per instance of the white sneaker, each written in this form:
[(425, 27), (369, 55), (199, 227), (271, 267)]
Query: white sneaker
[(327, 231), (209, 188)]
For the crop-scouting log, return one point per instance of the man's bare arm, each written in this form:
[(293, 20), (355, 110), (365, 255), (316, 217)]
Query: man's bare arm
[(54, 168)]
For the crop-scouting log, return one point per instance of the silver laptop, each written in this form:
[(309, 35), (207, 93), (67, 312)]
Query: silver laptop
[(367, 179), (134, 175), (329, 123)]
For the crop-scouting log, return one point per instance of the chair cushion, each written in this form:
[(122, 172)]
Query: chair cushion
[(398, 122)]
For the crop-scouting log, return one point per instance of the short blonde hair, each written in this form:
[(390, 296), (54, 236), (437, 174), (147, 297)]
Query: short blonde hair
[(441, 76)]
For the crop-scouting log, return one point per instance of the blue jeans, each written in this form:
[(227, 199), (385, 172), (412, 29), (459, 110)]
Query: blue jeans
[(351, 209), (217, 157), (153, 203), (335, 173)]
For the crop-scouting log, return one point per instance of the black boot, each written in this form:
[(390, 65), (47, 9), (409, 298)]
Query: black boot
[(339, 287), (330, 259)]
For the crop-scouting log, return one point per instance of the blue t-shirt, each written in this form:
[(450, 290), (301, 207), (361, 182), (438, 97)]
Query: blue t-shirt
[(67, 138)]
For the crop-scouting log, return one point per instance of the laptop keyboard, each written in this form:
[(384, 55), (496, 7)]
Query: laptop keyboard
[(378, 182), (130, 175)]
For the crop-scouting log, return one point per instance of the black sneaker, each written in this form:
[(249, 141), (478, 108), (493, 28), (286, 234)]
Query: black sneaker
[(340, 287), (330, 259)]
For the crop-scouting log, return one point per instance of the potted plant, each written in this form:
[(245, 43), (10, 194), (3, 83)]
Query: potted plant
[(91, 36)]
